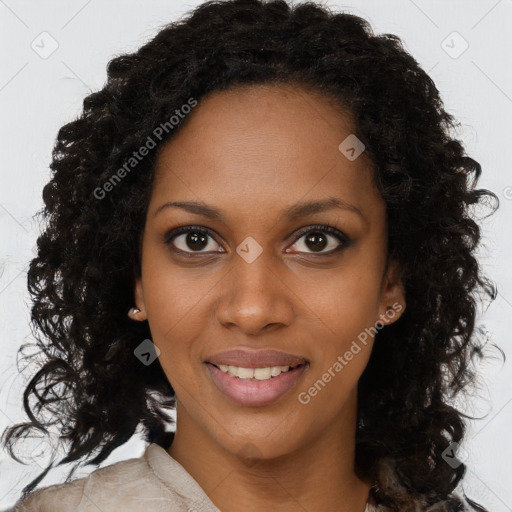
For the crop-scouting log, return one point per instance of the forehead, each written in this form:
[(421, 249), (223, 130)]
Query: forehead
[(263, 144)]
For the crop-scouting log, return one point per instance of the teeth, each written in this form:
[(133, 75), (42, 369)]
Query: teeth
[(254, 373)]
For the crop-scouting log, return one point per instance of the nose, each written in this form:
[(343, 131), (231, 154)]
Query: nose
[(254, 297)]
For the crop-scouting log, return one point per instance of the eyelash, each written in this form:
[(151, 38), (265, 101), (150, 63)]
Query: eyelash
[(317, 228)]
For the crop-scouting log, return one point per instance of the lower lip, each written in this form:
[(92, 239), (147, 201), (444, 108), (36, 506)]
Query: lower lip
[(253, 393)]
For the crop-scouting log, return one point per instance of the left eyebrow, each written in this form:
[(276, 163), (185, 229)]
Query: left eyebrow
[(294, 212), (306, 208)]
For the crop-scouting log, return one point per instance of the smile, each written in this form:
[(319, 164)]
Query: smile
[(265, 373), (252, 387)]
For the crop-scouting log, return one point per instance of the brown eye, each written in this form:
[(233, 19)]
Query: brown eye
[(191, 239), (196, 241), (320, 238), (316, 241)]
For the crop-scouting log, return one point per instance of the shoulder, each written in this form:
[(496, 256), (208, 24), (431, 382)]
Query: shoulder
[(154, 482), (58, 498), (114, 482)]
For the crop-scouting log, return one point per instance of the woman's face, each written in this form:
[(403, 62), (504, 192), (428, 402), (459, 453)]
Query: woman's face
[(266, 275)]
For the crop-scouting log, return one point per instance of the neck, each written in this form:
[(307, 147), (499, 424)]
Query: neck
[(318, 476)]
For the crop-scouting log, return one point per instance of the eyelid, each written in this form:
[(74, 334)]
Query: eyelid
[(323, 228), (187, 228)]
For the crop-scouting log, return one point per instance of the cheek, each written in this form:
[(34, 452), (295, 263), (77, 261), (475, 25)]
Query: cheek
[(339, 358), (344, 302), (176, 309), (342, 327), (173, 296)]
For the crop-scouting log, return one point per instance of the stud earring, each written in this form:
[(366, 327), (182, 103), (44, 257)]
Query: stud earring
[(137, 314)]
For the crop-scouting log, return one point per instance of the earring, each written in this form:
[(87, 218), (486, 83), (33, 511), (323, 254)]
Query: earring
[(134, 314)]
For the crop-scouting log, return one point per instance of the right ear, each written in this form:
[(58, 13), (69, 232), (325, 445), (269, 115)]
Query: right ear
[(140, 305)]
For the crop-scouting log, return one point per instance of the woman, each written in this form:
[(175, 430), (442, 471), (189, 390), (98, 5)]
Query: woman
[(263, 222)]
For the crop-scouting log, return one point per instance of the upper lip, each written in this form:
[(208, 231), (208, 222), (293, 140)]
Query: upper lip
[(255, 358)]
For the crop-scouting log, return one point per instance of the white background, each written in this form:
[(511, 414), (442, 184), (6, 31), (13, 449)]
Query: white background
[(38, 95)]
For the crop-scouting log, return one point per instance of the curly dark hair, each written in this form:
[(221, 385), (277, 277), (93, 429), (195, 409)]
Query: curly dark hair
[(89, 253)]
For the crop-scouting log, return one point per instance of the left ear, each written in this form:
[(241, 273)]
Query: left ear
[(392, 303)]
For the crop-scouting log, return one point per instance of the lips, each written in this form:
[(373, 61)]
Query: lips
[(253, 392), (255, 358)]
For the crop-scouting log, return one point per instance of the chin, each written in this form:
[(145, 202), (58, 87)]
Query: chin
[(260, 446)]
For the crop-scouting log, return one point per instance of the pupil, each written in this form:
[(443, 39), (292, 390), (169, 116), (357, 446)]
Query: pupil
[(317, 240), (196, 240)]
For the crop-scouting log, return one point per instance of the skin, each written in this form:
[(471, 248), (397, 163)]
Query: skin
[(253, 152)]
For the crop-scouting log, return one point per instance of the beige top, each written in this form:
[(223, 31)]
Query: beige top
[(154, 482)]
